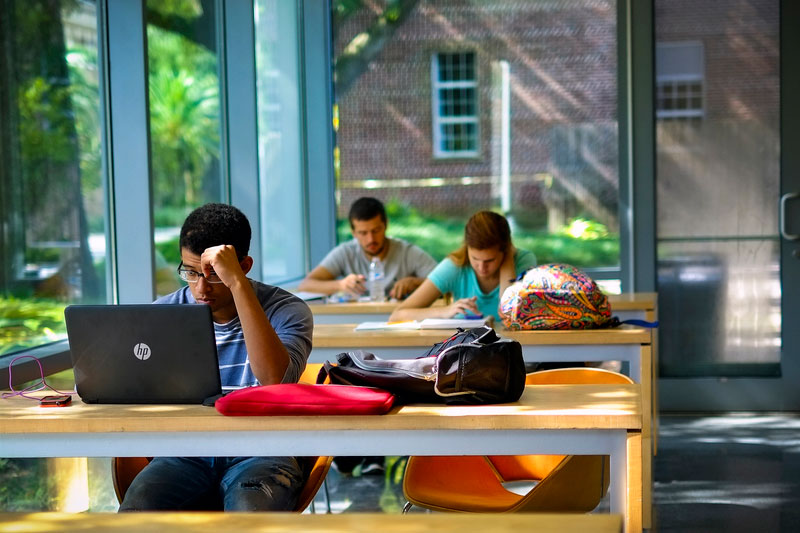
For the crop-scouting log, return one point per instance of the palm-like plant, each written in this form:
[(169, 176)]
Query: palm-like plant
[(184, 117)]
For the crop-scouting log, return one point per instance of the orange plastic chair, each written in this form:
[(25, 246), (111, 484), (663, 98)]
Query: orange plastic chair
[(124, 469), (563, 483)]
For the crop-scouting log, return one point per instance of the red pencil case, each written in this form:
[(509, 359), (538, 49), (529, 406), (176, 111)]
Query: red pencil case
[(305, 399)]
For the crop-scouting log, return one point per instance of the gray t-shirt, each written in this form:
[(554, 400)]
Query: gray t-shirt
[(403, 260)]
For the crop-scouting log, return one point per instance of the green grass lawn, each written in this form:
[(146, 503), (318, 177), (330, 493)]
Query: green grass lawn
[(28, 323), (440, 236)]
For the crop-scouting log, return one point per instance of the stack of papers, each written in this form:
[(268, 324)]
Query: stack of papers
[(428, 323), (452, 323)]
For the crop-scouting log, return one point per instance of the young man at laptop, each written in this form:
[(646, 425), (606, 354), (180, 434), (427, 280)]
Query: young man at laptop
[(346, 267), (263, 337)]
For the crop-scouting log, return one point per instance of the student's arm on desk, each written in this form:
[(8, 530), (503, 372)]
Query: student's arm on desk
[(418, 305), (321, 280), (405, 286)]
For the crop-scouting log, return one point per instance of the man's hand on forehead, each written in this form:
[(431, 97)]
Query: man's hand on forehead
[(222, 261)]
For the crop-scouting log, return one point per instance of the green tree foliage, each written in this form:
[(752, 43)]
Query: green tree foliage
[(364, 47), (184, 116), (84, 93), (168, 10), (42, 143), (21, 486), (27, 323)]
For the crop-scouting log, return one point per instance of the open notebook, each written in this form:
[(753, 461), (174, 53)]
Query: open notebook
[(428, 323)]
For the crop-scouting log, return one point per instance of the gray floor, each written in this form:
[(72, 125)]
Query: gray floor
[(733, 473)]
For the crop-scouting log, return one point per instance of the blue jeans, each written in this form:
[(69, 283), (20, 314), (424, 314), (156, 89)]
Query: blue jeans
[(216, 483)]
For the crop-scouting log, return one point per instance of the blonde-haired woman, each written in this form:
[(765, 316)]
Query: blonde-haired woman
[(476, 274)]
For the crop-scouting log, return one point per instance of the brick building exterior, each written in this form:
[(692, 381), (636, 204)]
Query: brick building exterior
[(562, 62), (562, 58)]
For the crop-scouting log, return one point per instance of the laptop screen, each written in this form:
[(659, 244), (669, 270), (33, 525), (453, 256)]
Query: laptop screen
[(143, 353)]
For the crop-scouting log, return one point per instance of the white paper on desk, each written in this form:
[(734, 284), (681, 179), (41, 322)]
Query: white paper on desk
[(366, 326), (452, 323), (305, 295), (428, 323)]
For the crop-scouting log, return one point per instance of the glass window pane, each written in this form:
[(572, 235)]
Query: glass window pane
[(445, 67), (52, 199), (449, 98), (717, 191), (719, 307), (469, 99), (564, 208), (53, 250), (469, 66), (279, 144), (184, 122)]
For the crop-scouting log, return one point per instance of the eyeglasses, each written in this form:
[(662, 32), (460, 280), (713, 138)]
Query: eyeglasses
[(191, 276)]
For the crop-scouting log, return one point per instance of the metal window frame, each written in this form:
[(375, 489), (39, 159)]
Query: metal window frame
[(320, 234), (714, 394), (131, 254), (239, 161), (636, 52), (128, 154)]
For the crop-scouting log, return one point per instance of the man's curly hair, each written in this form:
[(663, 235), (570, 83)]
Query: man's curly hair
[(215, 224)]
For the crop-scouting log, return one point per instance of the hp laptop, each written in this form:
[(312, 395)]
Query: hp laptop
[(143, 353)]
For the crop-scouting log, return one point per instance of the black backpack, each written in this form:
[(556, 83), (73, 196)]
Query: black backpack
[(473, 366)]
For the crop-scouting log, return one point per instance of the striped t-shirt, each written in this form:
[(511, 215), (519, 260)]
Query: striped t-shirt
[(290, 318)]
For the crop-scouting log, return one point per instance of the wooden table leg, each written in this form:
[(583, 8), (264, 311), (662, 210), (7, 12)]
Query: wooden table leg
[(648, 426), (647, 484), (633, 517)]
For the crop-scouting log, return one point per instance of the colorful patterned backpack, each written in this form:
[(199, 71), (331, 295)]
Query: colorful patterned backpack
[(555, 296)]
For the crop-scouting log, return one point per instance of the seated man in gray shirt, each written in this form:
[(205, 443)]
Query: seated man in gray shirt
[(346, 267)]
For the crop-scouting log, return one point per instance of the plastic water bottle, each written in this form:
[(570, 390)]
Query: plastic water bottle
[(376, 280)]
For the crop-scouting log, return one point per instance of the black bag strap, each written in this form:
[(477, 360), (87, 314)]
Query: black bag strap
[(482, 334), (615, 322)]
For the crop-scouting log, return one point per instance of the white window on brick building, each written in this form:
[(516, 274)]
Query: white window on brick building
[(680, 68), (455, 105)]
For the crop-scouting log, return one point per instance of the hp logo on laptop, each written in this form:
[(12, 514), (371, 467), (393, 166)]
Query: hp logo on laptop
[(142, 351)]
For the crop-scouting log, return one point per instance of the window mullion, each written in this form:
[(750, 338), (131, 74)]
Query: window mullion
[(130, 183)]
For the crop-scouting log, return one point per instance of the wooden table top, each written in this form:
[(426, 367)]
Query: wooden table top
[(345, 336), (209, 522), (358, 308), (631, 301), (541, 407)]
